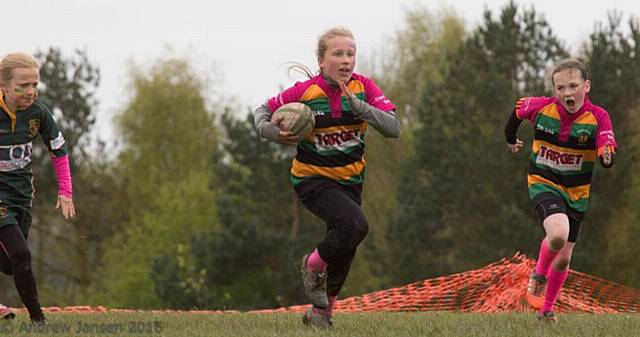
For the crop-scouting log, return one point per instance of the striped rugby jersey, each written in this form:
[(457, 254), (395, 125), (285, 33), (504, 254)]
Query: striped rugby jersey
[(335, 148), (565, 147)]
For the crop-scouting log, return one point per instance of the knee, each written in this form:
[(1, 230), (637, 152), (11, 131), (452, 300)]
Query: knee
[(21, 259), (360, 229), (556, 242), (557, 228), (562, 262), (357, 227)]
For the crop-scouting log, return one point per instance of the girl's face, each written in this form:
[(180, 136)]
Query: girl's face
[(21, 90), (339, 59), (570, 89)]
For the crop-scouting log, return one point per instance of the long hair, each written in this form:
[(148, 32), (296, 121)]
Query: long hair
[(300, 68)]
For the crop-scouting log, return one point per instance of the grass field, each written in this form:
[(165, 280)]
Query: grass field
[(347, 325)]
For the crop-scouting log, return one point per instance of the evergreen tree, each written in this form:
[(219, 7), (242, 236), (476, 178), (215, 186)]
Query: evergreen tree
[(414, 70)]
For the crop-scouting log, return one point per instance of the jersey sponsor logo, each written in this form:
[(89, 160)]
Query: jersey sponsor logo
[(14, 157), (382, 98), (339, 140), (545, 129), (34, 127), (318, 113), (561, 161), (57, 142)]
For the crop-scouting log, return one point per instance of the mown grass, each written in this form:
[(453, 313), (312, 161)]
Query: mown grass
[(351, 325)]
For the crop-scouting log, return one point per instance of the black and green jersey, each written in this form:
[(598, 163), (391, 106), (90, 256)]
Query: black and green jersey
[(17, 133)]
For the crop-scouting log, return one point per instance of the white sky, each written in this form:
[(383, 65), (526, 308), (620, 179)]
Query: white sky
[(242, 44)]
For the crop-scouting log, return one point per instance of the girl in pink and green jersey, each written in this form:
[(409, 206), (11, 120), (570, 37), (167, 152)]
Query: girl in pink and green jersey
[(570, 135), (328, 170)]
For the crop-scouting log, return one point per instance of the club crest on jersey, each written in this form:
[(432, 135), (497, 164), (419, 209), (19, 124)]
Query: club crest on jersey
[(583, 136), (34, 126), (3, 211)]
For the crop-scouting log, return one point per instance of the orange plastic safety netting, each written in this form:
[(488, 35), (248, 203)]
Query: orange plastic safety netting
[(498, 287)]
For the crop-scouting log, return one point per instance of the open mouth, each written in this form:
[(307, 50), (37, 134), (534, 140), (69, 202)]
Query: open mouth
[(570, 102)]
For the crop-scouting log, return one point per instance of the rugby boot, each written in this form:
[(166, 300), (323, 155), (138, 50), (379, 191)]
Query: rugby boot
[(315, 285), (536, 289), (317, 318)]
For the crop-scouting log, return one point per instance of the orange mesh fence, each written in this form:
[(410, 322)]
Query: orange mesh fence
[(498, 287)]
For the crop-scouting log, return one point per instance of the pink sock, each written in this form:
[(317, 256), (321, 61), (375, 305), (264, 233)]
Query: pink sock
[(556, 280), (315, 262), (332, 303), (545, 258)]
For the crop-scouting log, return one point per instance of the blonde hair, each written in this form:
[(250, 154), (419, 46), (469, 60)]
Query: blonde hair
[(323, 45), (328, 35), (13, 61), (300, 68)]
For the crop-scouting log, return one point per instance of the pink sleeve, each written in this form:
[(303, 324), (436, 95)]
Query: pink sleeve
[(605, 130), (528, 107), (375, 96), (289, 95), (63, 175)]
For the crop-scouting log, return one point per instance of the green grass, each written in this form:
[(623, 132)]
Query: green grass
[(351, 325)]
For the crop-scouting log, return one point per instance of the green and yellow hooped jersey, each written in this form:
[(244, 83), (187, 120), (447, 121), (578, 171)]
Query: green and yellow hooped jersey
[(565, 147), (335, 148)]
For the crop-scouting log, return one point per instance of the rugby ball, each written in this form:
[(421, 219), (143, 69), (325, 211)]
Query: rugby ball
[(298, 118)]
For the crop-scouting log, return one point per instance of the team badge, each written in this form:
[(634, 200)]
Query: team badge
[(3, 211), (34, 126), (583, 137)]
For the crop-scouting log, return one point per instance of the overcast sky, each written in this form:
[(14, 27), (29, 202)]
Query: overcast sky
[(242, 44)]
